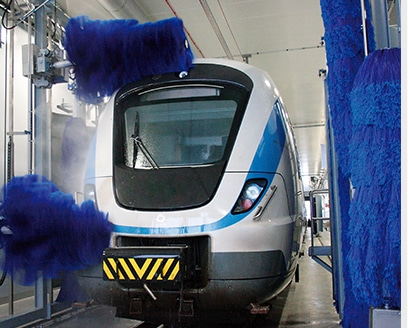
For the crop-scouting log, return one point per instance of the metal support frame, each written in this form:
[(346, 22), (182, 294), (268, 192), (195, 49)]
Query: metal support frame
[(364, 26), (43, 296), (315, 252), (381, 23), (42, 150), (379, 12), (8, 125), (42, 114), (335, 215)]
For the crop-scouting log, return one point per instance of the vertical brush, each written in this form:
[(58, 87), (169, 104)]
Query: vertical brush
[(375, 166), (344, 43)]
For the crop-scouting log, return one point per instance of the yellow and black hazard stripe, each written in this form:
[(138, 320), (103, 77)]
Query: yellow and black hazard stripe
[(144, 269)]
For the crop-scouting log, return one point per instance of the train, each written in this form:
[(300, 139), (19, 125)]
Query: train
[(199, 174)]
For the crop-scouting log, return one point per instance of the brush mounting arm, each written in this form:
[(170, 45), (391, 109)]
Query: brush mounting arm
[(44, 67)]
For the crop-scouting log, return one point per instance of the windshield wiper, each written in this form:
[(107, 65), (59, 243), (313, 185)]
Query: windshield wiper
[(133, 137), (140, 145)]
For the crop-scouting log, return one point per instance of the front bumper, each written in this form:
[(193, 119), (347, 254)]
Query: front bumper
[(234, 280), (132, 267)]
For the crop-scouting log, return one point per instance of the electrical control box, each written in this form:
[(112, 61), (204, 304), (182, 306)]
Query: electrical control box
[(380, 318)]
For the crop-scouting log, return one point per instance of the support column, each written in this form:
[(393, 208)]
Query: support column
[(42, 149), (42, 114), (379, 12)]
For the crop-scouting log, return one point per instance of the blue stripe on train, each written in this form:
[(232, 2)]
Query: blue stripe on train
[(266, 160)]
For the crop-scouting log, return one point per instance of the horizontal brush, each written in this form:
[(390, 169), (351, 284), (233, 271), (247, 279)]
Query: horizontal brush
[(109, 54)]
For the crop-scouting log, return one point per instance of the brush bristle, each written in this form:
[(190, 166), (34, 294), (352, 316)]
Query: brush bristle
[(373, 263), (109, 54), (50, 233)]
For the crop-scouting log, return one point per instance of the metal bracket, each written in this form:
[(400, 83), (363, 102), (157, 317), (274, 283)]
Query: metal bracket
[(44, 67), (316, 251)]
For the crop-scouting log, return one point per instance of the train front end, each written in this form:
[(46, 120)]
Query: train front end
[(199, 176)]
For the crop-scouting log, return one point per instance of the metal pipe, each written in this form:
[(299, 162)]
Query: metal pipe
[(62, 64), (33, 11), (8, 121), (42, 149), (5, 111), (216, 28), (149, 292), (335, 214), (42, 115), (399, 21), (10, 102), (30, 122), (379, 12), (364, 26), (308, 125), (29, 13)]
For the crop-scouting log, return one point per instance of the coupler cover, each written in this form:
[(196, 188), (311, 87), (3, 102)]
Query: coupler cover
[(145, 264)]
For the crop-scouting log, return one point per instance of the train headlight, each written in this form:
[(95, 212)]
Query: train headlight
[(250, 194)]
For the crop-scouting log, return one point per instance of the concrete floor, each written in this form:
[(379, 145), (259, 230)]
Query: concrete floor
[(307, 303)]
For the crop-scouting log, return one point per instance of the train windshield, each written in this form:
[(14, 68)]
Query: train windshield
[(172, 140), (178, 126)]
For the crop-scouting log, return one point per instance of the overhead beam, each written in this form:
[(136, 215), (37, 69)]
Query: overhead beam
[(216, 28)]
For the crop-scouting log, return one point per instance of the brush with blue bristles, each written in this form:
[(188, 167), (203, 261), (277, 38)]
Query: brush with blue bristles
[(107, 54), (44, 230)]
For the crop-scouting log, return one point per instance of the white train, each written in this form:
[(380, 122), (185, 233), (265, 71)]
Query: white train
[(199, 175)]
